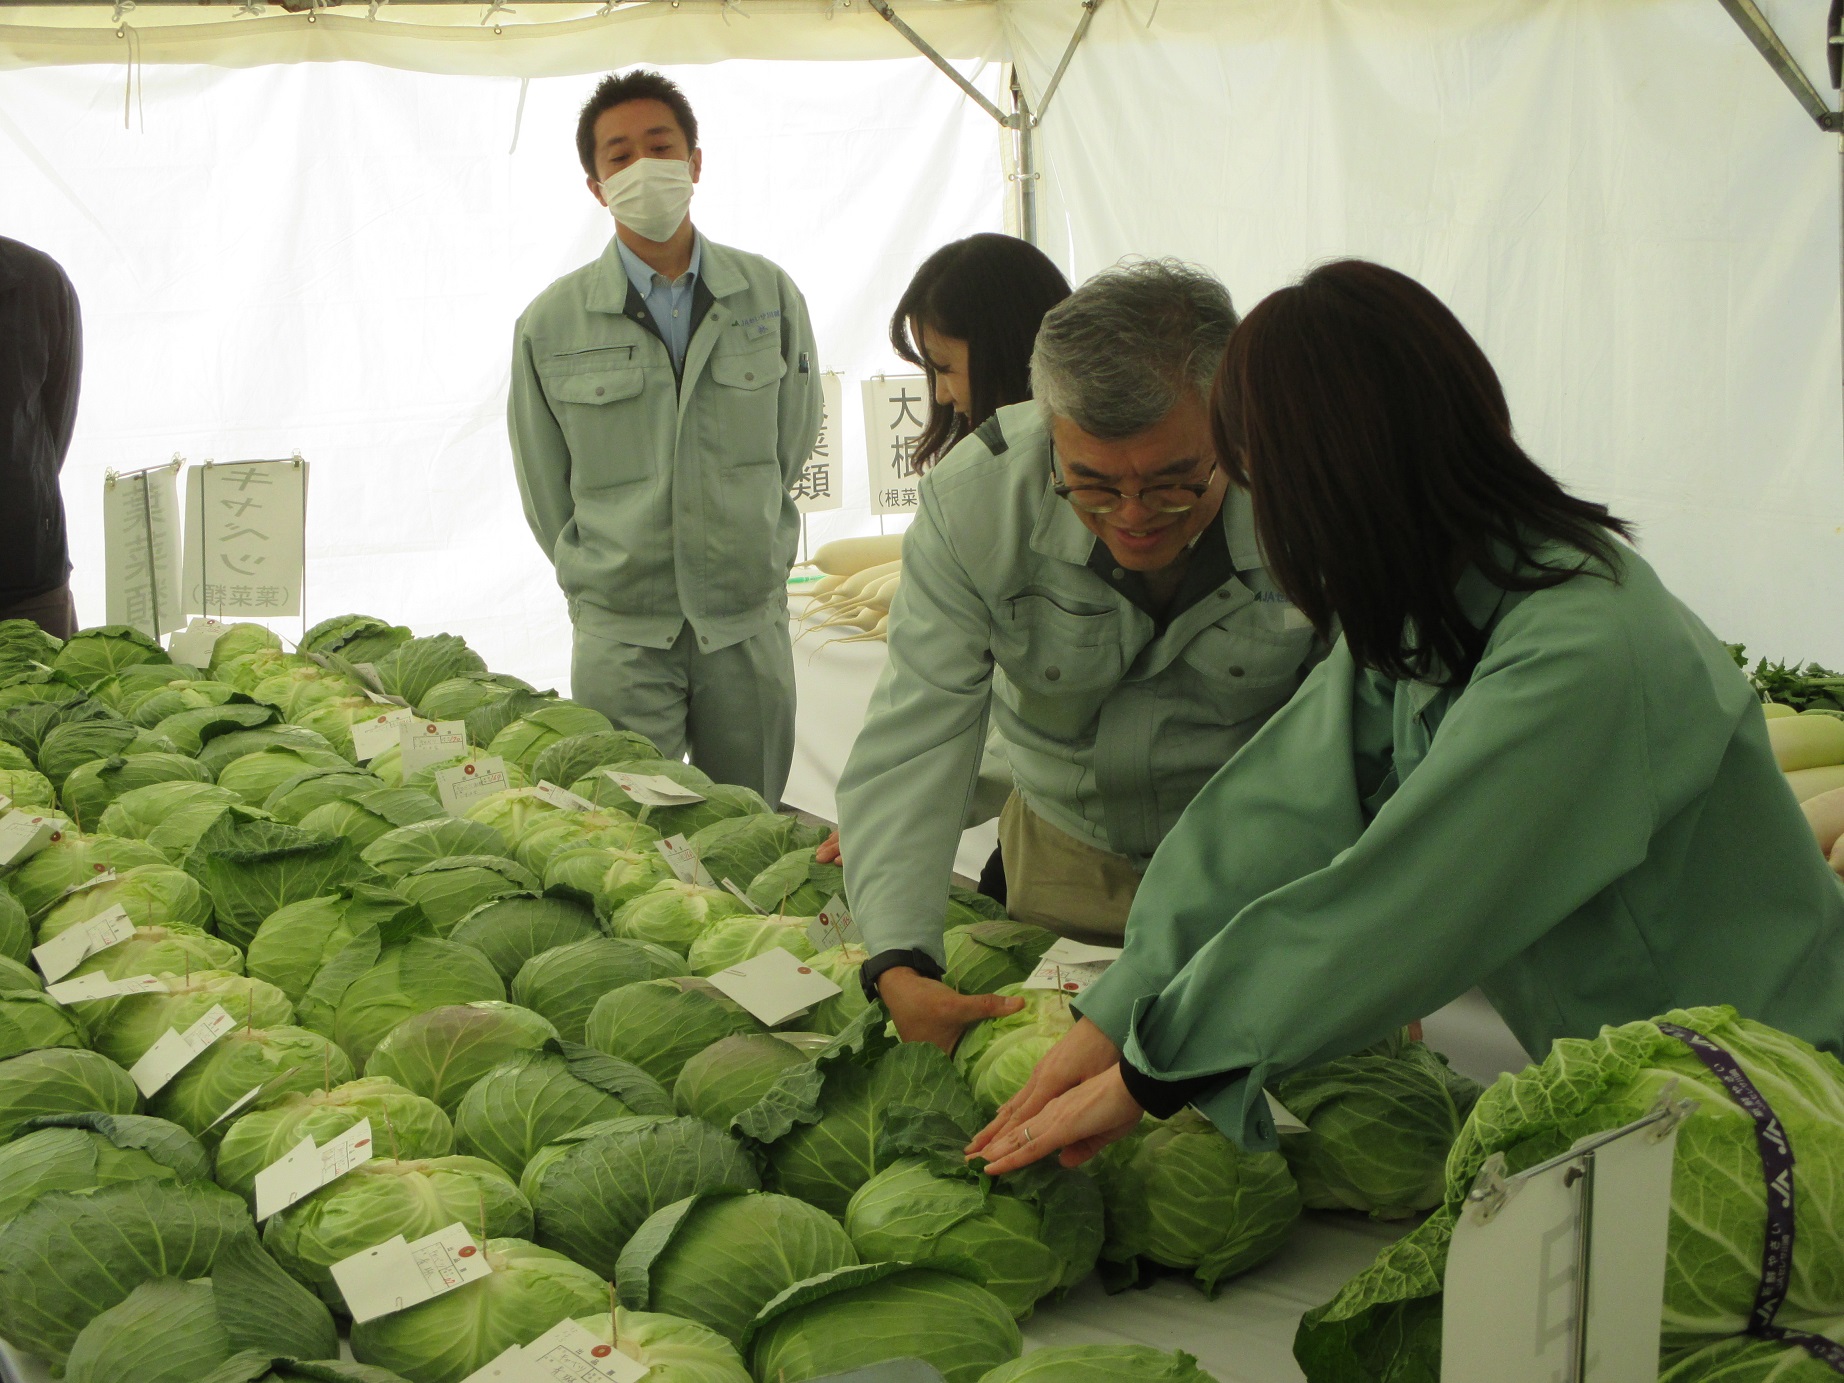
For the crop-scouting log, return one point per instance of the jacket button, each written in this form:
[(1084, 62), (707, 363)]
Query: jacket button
[(747, 378), (1222, 595), (599, 392), (1120, 574), (1235, 672), (1052, 673)]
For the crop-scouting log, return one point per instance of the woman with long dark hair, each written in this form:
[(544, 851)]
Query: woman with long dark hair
[(1525, 766), (968, 319)]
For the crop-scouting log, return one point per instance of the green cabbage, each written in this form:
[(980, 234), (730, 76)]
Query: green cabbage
[(191, 729), (240, 640), (595, 1186), (718, 1258), (170, 817), (550, 835), (816, 1328), (315, 787), (537, 730), (333, 720), (733, 1074), (406, 1125), (387, 1196), (279, 1061), (73, 859), (156, 950), (70, 746), (137, 1021), (397, 852), (672, 1349), (607, 878), (513, 812), (998, 1055), (93, 787), (15, 929), (23, 647), (448, 890), (153, 895), (85, 1151), (253, 868), (575, 756), (441, 1052), (28, 789), (444, 1340), (741, 847), (987, 956), (355, 638), (264, 1366), (1100, 1364), (517, 927), (1746, 1359), (258, 776), (176, 696), (29, 725), (455, 698), (841, 965), (732, 940), (61, 1080), (30, 1019), (415, 666), (90, 655), (661, 1024), (407, 979), (536, 1098), (673, 914), (1180, 1194), (797, 884), (297, 939), (371, 815), (599, 788), (565, 982)]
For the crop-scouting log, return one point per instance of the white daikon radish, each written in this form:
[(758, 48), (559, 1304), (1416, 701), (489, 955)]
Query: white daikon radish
[(848, 556), (1808, 783), (1809, 740), (1825, 815)]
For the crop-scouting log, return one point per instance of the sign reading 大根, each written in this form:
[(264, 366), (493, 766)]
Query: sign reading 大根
[(246, 538), (895, 412)]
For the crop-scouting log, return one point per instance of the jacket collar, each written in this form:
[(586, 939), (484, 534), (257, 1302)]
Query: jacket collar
[(719, 271)]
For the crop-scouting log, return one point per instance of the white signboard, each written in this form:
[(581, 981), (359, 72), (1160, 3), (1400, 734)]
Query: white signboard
[(245, 538), (775, 985), (895, 412), (821, 484), (397, 1274), (561, 797), (141, 549)]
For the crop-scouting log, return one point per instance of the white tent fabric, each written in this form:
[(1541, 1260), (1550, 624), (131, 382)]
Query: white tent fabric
[(330, 258), (1617, 197)]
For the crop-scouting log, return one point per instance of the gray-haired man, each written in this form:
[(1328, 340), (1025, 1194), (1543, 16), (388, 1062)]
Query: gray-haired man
[(1082, 572)]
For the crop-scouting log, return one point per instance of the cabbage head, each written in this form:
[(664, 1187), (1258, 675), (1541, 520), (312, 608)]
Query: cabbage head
[(253, 868), (193, 727), (387, 1196), (295, 940), (397, 852), (179, 695), (1100, 1364), (605, 877), (265, 1366), (408, 1126), (137, 1021), (986, 956), (565, 760), (315, 787), (550, 835), (512, 812), (415, 666), (371, 815), (85, 1151), (448, 890), (1379, 1127), (161, 950), (91, 655), (61, 1080), (518, 927), (733, 1074), (659, 1025), (816, 1327), (28, 788), (260, 775), (15, 930), (408, 978), (279, 1061), (1747, 1359), (312, 750), (565, 982), (1032, 1234), (599, 788), (31, 1019), (1181, 1195), (741, 847), (240, 640), (170, 817), (455, 698), (153, 895), (441, 1052), (444, 1340), (595, 1186), (13, 975), (841, 965), (674, 914), (70, 746), (535, 1098), (71, 859), (1389, 1312), (29, 725), (719, 1257), (170, 1331), (537, 730), (673, 1349), (23, 647), (93, 787), (70, 1256), (998, 1055), (355, 638), (733, 940), (797, 884)]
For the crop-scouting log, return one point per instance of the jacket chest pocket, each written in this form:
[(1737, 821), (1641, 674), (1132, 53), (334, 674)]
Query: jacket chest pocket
[(1060, 664), (746, 404), (596, 398), (1239, 669)]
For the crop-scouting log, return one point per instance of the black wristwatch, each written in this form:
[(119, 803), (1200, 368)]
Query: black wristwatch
[(873, 969)]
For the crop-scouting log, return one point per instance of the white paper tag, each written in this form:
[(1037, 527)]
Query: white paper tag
[(1063, 951), (1285, 1120), (1070, 979), (834, 925), (427, 742), (23, 834), (173, 1051), (743, 897), (305, 1168), (70, 948), (100, 986), (775, 985), (566, 1353), (652, 789), (371, 738), (562, 797), (395, 1275), (368, 674), (684, 861), (238, 1105), (380, 699), (474, 781), (6, 803), (193, 644)]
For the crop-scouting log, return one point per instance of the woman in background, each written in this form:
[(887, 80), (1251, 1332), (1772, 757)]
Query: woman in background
[(969, 319)]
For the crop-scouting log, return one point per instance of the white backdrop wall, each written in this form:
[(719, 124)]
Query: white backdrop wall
[(330, 257), (1617, 197)]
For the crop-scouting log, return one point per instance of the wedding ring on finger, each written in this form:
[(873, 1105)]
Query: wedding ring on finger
[(1029, 1137)]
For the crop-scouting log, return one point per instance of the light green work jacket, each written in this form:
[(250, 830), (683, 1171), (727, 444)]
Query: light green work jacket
[(662, 499), (1109, 723), (1592, 829)]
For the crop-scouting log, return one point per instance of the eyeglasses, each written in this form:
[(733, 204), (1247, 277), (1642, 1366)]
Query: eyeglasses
[(1105, 499)]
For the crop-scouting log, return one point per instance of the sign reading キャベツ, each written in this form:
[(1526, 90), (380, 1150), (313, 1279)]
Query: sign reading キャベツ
[(246, 538)]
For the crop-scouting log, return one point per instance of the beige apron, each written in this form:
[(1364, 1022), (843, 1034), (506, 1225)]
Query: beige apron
[(1056, 881)]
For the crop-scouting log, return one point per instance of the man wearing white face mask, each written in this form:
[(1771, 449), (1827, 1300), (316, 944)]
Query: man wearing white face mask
[(664, 399)]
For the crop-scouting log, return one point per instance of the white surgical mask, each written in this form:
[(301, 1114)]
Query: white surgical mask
[(650, 196)]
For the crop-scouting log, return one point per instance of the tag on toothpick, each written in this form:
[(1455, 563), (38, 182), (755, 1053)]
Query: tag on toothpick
[(24, 834), (834, 925), (474, 781), (427, 742), (1063, 951), (775, 985), (380, 699), (652, 789), (305, 1168), (193, 644), (238, 1105), (100, 986), (395, 1275), (368, 674), (1071, 966), (562, 797), (1285, 1120), (743, 897), (371, 738), (173, 1051), (71, 947), (567, 1353), (684, 861)]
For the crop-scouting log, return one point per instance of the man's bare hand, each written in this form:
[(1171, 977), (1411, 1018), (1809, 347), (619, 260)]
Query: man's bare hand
[(926, 1010), (827, 852)]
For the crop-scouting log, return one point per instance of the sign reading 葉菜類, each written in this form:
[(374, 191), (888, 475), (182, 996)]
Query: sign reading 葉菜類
[(246, 538), (895, 412), (821, 484), (141, 549)]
